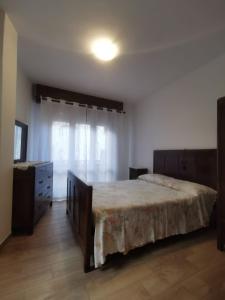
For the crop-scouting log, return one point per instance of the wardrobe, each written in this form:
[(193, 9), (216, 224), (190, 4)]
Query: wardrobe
[(221, 173)]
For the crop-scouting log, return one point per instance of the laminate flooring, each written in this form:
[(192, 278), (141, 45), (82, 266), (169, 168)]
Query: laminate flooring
[(48, 265)]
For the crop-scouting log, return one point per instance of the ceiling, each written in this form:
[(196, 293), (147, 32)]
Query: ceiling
[(160, 41)]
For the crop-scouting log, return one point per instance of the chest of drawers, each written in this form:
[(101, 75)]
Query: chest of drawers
[(32, 195)]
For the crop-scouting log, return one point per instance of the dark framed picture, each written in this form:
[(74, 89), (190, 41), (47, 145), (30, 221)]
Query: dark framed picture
[(20, 141)]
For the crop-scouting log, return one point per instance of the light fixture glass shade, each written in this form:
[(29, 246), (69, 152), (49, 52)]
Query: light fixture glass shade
[(104, 49)]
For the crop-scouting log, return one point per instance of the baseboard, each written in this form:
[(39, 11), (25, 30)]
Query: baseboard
[(5, 240)]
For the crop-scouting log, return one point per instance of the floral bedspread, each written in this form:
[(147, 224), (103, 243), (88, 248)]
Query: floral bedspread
[(129, 214)]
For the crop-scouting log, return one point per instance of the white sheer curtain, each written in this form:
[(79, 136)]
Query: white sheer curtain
[(93, 143)]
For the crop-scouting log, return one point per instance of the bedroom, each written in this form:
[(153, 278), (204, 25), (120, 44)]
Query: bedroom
[(169, 73)]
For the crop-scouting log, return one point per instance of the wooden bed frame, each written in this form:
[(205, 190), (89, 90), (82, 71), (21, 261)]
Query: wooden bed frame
[(198, 166)]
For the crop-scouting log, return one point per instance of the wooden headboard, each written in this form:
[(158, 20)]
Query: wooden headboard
[(198, 166)]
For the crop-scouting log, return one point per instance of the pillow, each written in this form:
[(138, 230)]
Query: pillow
[(158, 179), (179, 185), (193, 188)]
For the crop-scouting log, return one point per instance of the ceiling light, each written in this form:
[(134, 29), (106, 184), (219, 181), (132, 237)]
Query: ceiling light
[(104, 49)]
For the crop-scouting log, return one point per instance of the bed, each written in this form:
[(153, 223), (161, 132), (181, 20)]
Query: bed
[(116, 217)]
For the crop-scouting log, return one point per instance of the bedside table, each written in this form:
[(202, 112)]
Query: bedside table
[(134, 173)]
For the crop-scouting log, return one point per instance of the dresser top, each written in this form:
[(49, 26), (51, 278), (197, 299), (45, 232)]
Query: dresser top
[(28, 164)]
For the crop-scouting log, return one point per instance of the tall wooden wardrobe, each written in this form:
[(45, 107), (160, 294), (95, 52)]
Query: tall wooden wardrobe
[(221, 173)]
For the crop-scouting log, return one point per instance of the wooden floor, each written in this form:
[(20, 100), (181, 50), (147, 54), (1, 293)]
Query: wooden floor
[(48, 265)]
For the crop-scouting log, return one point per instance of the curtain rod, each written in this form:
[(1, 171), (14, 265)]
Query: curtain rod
[(81, 105), (40, 91)]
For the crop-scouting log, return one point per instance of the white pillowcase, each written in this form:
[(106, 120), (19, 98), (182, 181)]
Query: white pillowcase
[(158, 179), (176, 184)]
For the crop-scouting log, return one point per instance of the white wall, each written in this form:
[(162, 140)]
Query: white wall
[(8, 71), (182, 115), (23, 97)]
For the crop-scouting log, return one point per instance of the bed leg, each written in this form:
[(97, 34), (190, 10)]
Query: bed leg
[(88, 264), (87, 269), (220, 245)]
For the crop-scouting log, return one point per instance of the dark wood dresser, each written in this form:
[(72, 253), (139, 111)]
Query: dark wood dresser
[(32, 195), (221, 173)]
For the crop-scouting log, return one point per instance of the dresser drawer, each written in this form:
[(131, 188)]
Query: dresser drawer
[(43, 174), (42, 202), (43, 180), (43, 190), (44, 193), (32, 195)]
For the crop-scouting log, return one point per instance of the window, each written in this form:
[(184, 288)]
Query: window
[(89, 142), (100, 142), (60, 141), (82, 142), (83, 147)]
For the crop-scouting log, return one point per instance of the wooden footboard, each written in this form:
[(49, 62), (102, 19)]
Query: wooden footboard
[(79, 210)]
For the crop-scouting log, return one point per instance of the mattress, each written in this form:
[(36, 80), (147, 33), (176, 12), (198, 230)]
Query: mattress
[(129, 214)]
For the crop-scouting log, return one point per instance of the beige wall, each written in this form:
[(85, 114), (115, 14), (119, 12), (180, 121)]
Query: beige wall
[(8, 71), (23, 97), (182, 115)]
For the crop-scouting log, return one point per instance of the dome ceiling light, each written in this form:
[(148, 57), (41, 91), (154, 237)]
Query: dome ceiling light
[(104, 49)]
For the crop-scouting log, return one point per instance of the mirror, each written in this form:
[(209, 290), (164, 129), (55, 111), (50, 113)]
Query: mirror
[(20, 142)]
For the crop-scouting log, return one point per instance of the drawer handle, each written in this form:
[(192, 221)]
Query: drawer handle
[(49, 176), (40, 194), (48, 187), (49, 197), (40, 181)]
